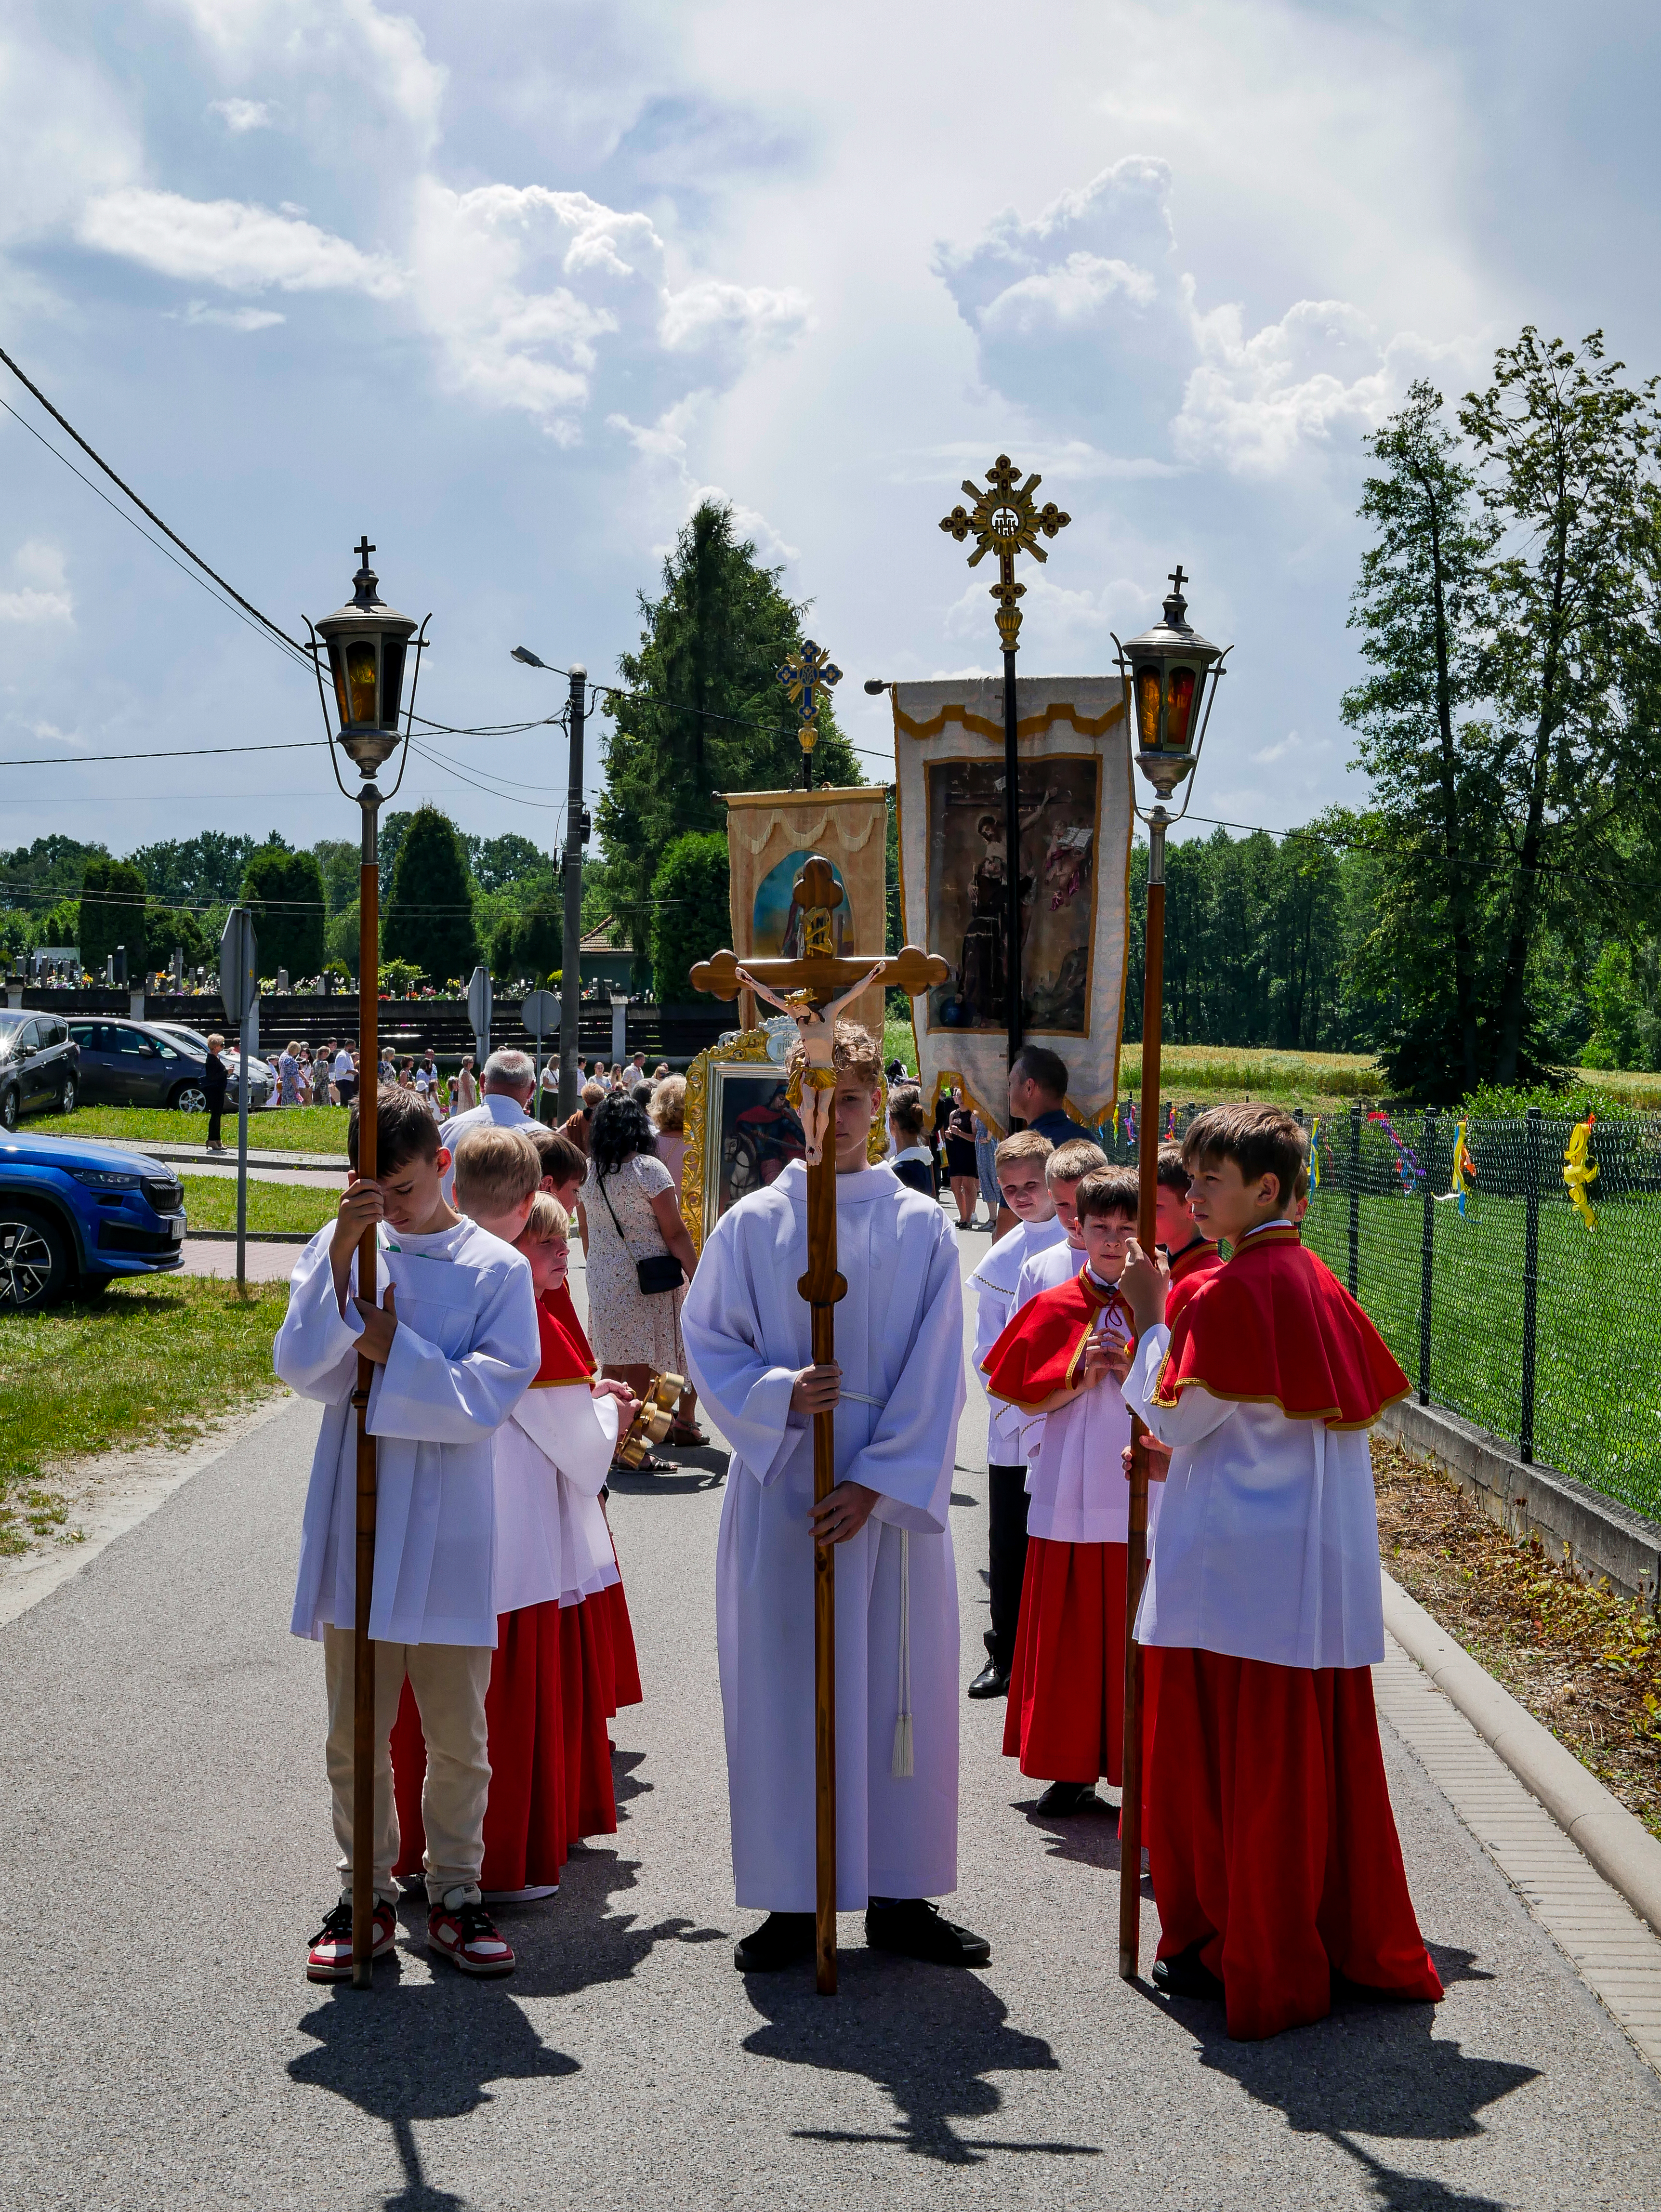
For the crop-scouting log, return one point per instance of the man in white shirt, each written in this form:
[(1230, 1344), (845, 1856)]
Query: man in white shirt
[(345, 1076), (505, 1092)]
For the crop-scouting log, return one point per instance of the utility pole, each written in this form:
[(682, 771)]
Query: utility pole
[(570, 981)]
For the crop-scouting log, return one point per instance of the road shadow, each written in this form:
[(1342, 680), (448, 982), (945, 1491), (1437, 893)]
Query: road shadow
[(420, 2051), (624, 1783), (697, 1468), (1372, 2068), (927, 2037), (583, 1938)]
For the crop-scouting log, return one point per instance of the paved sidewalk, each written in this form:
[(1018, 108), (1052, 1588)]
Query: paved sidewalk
[(164, 1854)]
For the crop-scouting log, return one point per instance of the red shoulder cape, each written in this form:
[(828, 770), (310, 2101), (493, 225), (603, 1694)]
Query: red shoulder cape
[(1276, 1327), (1041, 1349), (566, 1356), (1194, 1264)]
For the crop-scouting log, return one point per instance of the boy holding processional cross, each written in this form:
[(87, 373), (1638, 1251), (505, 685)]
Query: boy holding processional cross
[(896, 1388), (1271, 1841), (1019, 1162), (453, 1344)]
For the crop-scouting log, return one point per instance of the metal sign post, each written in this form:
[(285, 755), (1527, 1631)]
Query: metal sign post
[(540, 1015), (479, 1004), (239, 986)]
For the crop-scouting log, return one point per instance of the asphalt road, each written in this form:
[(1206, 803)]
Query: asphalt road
[(165, 1853)]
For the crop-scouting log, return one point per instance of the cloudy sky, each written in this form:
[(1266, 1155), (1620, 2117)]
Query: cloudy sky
[(508, 285)]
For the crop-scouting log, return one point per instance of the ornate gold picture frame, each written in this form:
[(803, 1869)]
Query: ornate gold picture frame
[(739, 1123)]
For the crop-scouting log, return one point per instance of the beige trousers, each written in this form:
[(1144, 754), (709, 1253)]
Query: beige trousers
[(449, 1681)]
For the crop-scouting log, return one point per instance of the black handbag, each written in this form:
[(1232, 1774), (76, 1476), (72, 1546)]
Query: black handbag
[(662, 1272)]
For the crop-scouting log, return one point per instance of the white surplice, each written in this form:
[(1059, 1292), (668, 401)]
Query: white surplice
[(465, 1348), (1076, 1488), (1045, 1269), (551, 1460), (899, 1346), (1268, 1530), (994, 1282)]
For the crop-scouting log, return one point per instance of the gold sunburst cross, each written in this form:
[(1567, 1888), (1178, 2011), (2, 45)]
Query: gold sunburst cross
[(1006, 519)]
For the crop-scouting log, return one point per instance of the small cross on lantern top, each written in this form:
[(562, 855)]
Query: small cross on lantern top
[(1006, 519)]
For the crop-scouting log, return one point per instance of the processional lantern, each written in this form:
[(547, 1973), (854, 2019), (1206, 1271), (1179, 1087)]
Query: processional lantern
[(1171, 675), (367, 647)]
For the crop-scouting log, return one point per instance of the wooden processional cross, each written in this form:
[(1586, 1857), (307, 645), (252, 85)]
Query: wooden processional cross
[(812, 990)]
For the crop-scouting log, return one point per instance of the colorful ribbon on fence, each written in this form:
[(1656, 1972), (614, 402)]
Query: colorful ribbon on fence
[(1315, 1155), (1170, 1124), (1407, 1161), (1579, 1170), (1463, 1185)]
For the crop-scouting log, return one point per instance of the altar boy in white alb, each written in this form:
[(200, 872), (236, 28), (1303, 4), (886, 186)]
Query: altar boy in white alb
[(896, 1387), (454, 1344)]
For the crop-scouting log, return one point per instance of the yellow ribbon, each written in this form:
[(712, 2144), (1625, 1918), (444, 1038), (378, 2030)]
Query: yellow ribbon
[(1578, 1171)]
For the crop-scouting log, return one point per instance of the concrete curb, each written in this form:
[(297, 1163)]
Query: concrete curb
[(325, 1162), (255, 1235), (1616, 1843)]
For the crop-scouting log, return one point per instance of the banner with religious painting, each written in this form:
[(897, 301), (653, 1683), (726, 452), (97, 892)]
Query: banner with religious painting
[(770, 835), (1074, 864)]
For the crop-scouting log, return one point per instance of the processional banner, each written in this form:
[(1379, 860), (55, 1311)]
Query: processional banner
[(770, 835), (1075, 868)]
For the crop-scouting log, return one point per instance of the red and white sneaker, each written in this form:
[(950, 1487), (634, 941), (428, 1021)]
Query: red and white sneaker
[(466, 1935), (330, 1958)]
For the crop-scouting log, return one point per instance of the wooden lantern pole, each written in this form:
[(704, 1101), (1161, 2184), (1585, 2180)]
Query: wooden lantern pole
[(1147, 1162), (369, 1054), (821, 983)]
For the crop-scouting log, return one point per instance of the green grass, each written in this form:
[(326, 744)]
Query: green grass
[(1598, 1378), (210, 1203), (289, 1129), (146, 1364), (1207, 1075)]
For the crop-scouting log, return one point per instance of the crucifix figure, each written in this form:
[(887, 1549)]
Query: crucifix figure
[(812, 990)]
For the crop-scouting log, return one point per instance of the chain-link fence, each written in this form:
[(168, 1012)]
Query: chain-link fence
[(1507, 1309)]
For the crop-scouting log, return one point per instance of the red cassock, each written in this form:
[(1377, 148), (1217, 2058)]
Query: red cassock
[(1271, 1839), (1064, 1720), (558, 1674), (1195, 1265)]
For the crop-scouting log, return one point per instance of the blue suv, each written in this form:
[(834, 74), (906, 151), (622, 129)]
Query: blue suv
[(75, 1215)]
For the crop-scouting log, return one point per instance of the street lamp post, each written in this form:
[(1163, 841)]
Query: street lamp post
[(1006, 519), (1170, 675), (367, 644), (576, 837)]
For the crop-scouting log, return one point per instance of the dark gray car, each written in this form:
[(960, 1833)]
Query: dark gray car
[(38, 1065), (135, 1064)]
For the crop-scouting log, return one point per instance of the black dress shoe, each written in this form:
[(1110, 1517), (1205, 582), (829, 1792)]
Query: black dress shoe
[(991, 1682), (1183, 1976), (783, 1938), (916, 1929), (1062, 1798)]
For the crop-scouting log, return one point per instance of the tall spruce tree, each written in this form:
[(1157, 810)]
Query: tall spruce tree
[(1415, 605), (284, 891), (703, 710), (430, 913)]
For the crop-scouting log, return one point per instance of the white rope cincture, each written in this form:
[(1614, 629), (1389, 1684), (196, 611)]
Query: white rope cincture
[(901, 1765)]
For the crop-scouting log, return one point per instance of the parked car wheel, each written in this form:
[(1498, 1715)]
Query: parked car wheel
[(35, 1261), (8, 1107), (67, 1096), (190, 1098)]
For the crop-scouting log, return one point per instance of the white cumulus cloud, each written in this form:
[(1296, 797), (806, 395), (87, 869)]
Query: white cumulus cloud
[(43, 594), (233, 243), (232, 319), (240, 115)]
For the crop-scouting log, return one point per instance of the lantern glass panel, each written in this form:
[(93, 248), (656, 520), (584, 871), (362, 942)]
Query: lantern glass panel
[(392, 681), (337, 670), (1178, 735), (361, 679), (1147, 707)]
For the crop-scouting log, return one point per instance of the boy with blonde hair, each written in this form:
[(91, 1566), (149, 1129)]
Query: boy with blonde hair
[(1020, 1162), (452, 1345)]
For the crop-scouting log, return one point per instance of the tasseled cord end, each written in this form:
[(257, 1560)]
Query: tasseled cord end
[(901, 1765)]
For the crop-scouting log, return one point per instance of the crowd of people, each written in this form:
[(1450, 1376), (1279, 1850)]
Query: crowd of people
[(503, 1639)]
